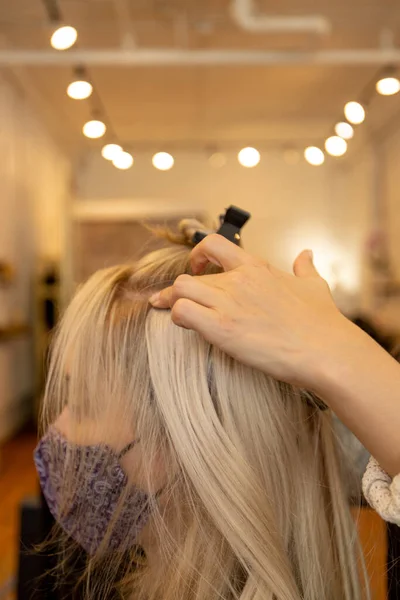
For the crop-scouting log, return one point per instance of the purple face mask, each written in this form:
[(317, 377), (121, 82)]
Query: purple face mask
[(93, 513)]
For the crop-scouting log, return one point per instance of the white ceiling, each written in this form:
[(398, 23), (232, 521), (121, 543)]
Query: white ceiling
[(192, 105)]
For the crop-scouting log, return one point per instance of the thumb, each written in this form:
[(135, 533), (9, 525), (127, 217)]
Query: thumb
[(303, 266)]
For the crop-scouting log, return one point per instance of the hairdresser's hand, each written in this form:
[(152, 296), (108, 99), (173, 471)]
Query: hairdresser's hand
[(289, 327), (264, 317)]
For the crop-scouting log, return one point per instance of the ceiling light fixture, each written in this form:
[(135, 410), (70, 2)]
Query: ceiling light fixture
[(344, 130), (64, 37), (249, 157), (79, 89), (314, 156), (388, 86), (123, 160), (94, 129), (111, 151), (336, 146), (163, 161), (354, 112)]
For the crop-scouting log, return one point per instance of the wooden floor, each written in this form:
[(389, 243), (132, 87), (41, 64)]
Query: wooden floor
[(18, 480)]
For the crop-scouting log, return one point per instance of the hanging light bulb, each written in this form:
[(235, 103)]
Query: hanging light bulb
[(64, 37), (344, 130), (314, 156), (249, 157), (335, 145), (94, 129), (123, 160), (354, 112), (388, 86), (163, 161), (79, 90), (111, 151)]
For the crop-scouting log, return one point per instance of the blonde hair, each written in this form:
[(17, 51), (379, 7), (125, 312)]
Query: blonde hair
[(253, 505)]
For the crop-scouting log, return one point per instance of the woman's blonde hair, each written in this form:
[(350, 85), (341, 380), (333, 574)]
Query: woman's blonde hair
[(252, 506)]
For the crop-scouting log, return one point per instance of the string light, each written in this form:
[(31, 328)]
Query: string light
[(64, 37), (163, 161), (123, 160), (388, 86), (335, 145), (344, 130), (314, 156), (79, 90), (249, 157), (354, 112), (94, 129), (111, 151)]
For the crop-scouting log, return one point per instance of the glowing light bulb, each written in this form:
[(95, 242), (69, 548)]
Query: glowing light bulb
[(249, 157), (335, 145), (314, 156), (64, 37), (79, 90), (94, 129), (111, 151), (344, 130), (354, 113), (387, 86), (163, 161), (123, 160)]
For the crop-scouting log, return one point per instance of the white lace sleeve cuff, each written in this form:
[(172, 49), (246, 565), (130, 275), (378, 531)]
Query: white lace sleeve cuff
[(382, 492)]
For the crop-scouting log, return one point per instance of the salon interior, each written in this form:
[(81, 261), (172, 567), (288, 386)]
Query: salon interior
[(116, 114)]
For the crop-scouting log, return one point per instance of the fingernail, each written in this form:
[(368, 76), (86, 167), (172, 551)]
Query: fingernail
[(310, 254), (155, 299)]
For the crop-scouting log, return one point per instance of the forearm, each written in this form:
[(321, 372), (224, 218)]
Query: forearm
[(361, 384)]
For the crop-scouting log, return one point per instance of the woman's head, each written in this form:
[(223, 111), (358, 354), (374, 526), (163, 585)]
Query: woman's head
[(239, 475)]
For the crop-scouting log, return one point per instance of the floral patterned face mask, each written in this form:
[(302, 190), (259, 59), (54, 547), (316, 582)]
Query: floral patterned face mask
[(102, 511)]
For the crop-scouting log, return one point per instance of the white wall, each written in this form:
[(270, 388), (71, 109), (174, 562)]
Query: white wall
[(34, 181), (380, 165), (293, 206)]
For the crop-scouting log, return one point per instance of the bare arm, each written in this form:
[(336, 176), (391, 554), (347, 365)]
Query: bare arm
[(288, 326)]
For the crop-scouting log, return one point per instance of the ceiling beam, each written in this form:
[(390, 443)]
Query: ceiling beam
[(161, 57)]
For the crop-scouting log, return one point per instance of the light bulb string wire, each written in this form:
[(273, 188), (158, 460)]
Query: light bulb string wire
[(367, 94)]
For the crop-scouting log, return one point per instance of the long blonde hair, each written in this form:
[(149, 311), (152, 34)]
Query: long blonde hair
[(253, 505)]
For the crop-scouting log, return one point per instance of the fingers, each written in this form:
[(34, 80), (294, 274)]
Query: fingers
[(219, 251), (190, 315), (303, 266), (191, 288)]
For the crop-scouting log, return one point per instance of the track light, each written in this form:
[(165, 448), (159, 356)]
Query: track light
[(111, 151), (314, 156), (388, 86), (79, 89), (344, 130), (336, 146), (123, 160), (64, 37), (163, 161), (354, 113), (94, 129), (249, 157)]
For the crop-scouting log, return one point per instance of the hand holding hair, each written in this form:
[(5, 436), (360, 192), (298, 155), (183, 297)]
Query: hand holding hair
[(288, 326)]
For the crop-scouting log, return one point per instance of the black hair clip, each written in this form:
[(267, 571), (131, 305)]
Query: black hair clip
[(231, 223)]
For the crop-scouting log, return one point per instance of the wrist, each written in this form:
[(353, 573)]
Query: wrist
[(337, 361)]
